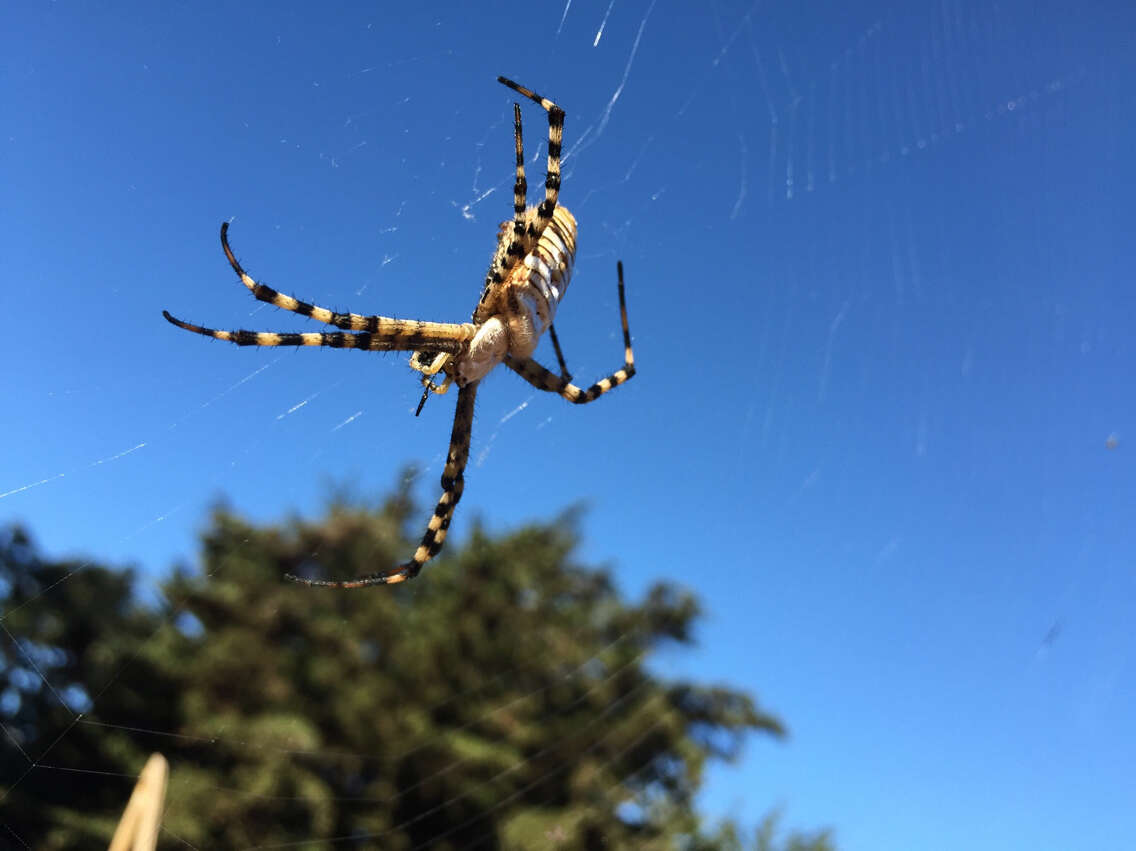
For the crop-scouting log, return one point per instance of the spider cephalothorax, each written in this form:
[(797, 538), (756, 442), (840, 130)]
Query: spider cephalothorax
[(530, 271), (514, 311)]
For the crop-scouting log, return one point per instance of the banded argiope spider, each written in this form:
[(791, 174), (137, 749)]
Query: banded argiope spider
[(526, 280)]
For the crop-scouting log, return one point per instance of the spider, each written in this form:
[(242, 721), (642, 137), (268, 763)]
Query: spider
[(527, 277)]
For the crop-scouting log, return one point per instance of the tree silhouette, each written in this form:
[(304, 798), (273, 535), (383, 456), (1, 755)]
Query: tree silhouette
[(503, 700)]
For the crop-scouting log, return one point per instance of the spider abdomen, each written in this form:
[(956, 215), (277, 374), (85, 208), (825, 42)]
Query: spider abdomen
[(524, 304), (537, 283)]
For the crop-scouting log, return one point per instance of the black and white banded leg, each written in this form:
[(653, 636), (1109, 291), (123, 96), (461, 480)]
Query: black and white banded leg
[(544, 379), (375, 333), (453, 483), (555, 141)]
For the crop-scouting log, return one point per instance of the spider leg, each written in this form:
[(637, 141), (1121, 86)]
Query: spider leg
[(564, 373), (452, 342), (384, 325), (520, 188), (555, 139), (510, 249), (544, 379), (453, 483)]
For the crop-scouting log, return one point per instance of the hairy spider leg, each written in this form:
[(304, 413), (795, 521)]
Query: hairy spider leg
[(520, 190), (555, 140), (453, 483), (544, 379), (334, 339), (380, 333), (384, 325), (511, 246), (564, 373)]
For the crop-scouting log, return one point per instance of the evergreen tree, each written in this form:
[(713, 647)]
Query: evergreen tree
[(503, 700), (71, 633)]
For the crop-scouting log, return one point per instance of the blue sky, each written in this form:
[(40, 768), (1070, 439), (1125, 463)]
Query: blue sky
[(879, 268)]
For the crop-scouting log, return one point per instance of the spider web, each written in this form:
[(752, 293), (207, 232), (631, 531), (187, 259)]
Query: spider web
[(876, 266)]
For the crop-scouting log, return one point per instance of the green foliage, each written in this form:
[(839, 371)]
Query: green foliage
[(502, 700), (727, 838), (71, 633)]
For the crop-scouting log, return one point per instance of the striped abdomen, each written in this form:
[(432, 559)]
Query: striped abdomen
[(524, 304), (536, 285)]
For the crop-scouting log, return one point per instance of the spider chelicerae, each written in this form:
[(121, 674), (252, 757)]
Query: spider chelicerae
[(526, 280)]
